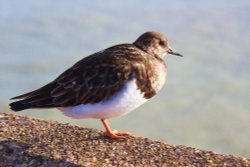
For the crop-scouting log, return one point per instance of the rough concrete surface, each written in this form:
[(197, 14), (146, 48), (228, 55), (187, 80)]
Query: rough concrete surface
[(26, 141)]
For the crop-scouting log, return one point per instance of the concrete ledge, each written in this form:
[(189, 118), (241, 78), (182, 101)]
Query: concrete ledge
[(26, 141)]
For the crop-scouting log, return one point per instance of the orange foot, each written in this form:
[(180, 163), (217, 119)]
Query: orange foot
[(114, 134), (117, 135)]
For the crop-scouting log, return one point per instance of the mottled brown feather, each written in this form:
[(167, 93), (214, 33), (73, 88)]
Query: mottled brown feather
[(92, 80)]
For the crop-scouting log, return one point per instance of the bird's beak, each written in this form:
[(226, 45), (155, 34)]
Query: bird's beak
[(172, 52)]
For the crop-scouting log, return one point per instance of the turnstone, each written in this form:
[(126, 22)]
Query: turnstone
[(106, 84)]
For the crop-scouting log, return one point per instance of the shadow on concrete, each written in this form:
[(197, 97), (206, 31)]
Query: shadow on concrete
[(15, 153)]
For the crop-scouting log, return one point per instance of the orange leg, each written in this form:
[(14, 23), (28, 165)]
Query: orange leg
[(113, 134)]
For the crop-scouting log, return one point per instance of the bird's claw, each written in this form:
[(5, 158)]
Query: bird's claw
[(117, 135)]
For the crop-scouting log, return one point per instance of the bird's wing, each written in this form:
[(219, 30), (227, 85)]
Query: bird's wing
[(90, 80)]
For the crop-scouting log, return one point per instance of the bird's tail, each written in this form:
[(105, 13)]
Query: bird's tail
[(39, 98), (19, 105)]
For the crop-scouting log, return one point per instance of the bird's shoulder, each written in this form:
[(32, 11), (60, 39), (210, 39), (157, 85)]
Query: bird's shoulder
[(115, 59)]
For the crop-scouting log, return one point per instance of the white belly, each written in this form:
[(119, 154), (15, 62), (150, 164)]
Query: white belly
[(120, 104)]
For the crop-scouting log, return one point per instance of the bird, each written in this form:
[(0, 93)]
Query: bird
[(107, 84)]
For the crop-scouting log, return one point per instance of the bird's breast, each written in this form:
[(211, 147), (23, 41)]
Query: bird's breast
[(151, 77), (159, 76)]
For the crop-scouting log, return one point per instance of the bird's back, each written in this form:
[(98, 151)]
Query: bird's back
[(96, 78)]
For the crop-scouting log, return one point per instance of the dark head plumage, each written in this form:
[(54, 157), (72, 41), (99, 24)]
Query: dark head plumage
[(155, 44)]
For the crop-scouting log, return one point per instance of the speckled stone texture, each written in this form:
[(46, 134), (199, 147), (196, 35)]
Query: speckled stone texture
[(26, 141)]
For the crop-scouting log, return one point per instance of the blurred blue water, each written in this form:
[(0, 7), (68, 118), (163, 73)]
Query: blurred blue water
[(205, 102)]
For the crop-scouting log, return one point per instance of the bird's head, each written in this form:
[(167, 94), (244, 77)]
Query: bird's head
[(155, 44)]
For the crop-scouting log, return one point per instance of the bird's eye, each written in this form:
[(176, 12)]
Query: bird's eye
[(162, 43)]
